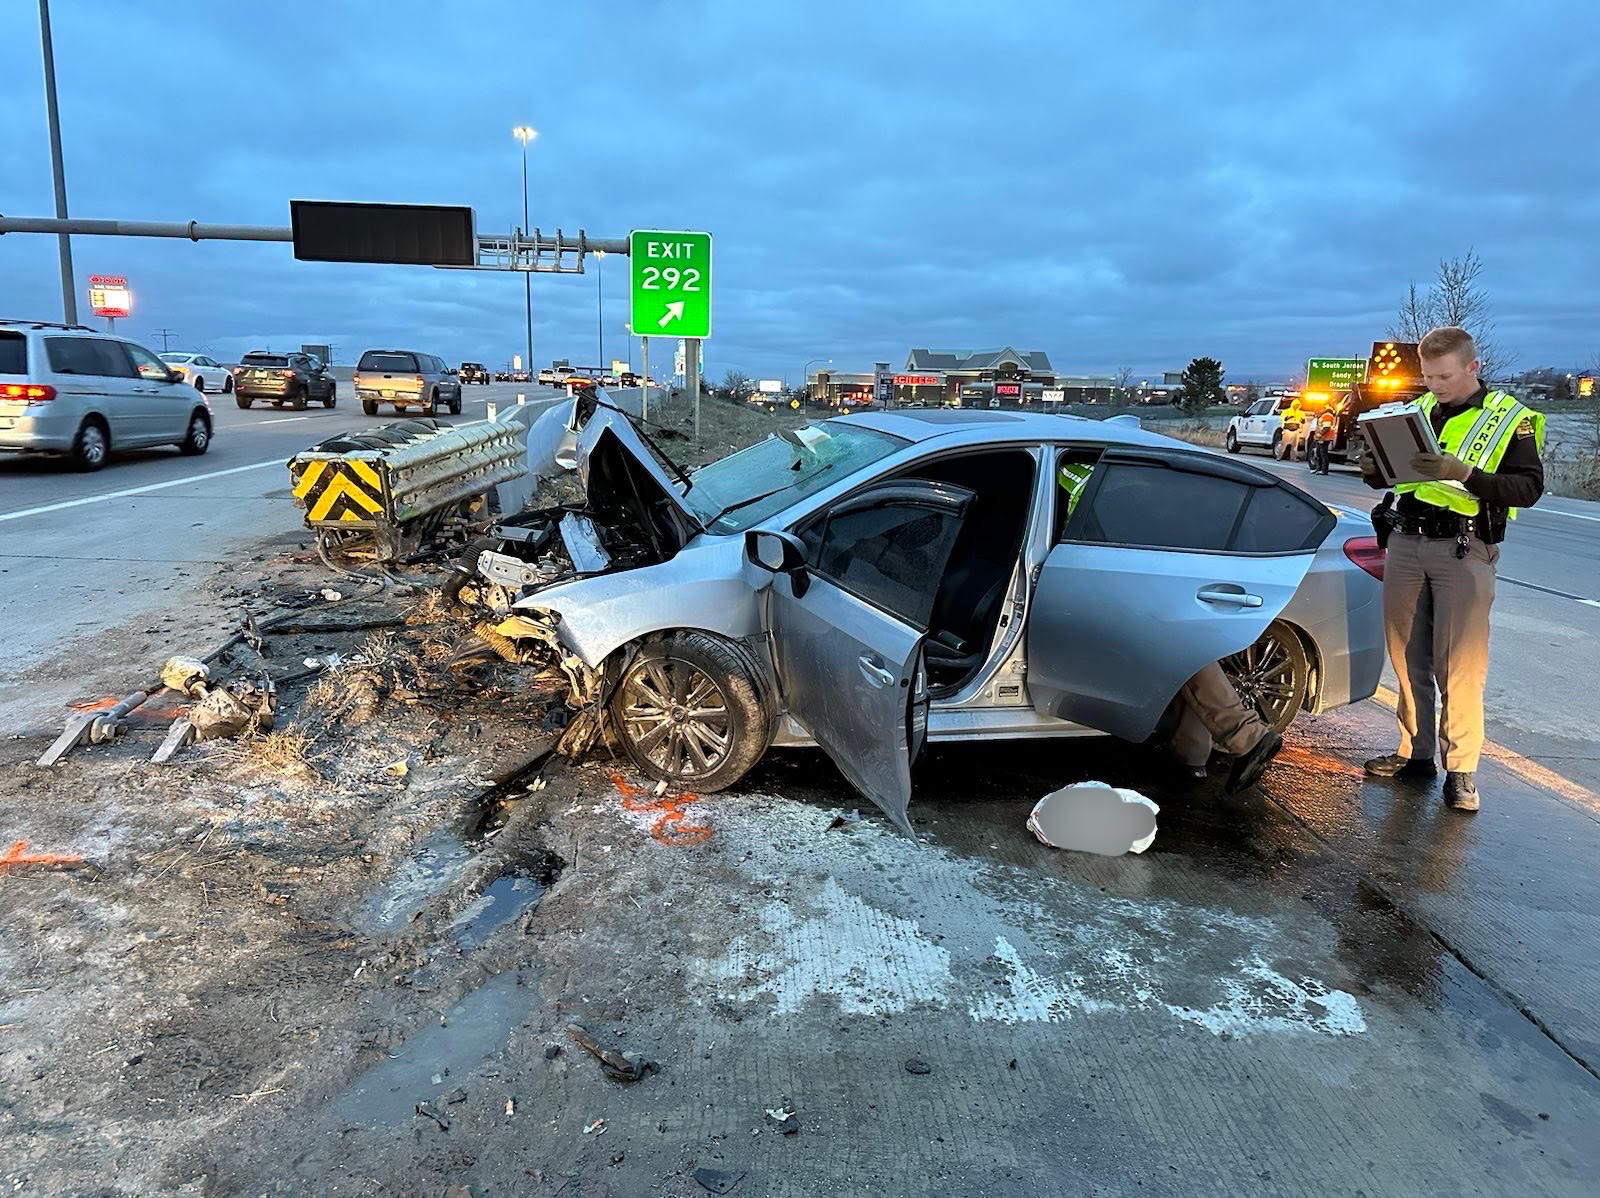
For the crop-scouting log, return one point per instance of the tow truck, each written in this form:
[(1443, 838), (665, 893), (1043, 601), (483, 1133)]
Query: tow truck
[(1394, 375)]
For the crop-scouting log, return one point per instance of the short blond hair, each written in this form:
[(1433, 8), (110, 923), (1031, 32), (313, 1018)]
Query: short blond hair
[(1448, 340)]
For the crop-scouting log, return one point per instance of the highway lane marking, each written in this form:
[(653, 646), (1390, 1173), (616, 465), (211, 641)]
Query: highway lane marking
[(1524, 767), (283, 419), (130, 491), (1552, 511), (1533, 586)]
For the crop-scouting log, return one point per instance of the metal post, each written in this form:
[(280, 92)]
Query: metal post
[(111, 324), (527, 278), (691, 370), (600, 305), (644, 371), (69, 289)]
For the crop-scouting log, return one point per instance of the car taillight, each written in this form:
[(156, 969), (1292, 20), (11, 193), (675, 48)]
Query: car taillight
[(1364, 552), (28, 392)]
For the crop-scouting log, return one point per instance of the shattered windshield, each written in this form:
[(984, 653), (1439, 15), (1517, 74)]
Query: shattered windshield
[(745, 488)]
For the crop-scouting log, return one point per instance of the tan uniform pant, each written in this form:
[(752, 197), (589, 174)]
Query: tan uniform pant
[(1436, 617), (1213, 713)]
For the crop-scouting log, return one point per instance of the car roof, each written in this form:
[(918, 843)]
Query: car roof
[(981, 427), (53, 326)]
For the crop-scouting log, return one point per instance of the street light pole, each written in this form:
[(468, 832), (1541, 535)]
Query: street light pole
[(525, 134), (600, 305), (69, 289)]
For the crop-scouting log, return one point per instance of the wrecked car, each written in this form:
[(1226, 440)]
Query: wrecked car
[(872, 582)]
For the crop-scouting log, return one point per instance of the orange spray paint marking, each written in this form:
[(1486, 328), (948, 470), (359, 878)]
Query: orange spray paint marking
[(18, 855), (670, 829)]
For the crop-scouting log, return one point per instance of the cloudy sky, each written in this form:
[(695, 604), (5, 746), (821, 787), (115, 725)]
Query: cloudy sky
[(1128, 183)]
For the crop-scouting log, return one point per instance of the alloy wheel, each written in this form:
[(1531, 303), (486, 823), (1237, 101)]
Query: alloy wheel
[(1264, 676), (677, 716)]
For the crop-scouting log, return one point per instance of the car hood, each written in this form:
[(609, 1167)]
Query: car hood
[(593, 434)]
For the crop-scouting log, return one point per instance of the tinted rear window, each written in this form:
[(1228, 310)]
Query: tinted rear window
[(264, 360), (374, 360), (88, 356), (13, 353)]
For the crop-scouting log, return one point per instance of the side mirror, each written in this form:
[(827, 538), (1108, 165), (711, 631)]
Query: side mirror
[(778, 552)]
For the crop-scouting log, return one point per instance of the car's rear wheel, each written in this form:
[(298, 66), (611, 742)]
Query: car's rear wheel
[(433, 404), (92, 445), (688, 711), (333, 395), (227, 384), (199, 438), (242, 400), (369, 407), (199, 384), (1272, 675)]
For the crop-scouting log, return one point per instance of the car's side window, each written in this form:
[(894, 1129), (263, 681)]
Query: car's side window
[(887, 555), (1074, 467), (1277, 520), (93, 356), (1154, 507), (146, 363)]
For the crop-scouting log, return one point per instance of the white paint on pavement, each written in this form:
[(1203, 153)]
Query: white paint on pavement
[(131, 491), (894, 925)]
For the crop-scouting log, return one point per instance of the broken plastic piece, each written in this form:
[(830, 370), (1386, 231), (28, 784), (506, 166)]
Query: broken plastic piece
[(1094, 817), (331, 595)]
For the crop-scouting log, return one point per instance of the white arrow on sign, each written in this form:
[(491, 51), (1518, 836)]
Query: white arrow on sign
[(674, 312)]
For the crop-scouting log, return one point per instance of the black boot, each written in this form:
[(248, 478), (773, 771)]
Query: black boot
[(1248, 768), (1395, 766), (1460, 791)]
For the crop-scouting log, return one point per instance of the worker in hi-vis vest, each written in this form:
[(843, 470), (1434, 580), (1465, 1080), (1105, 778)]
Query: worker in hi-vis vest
[(1211, 713), (1443, 541)]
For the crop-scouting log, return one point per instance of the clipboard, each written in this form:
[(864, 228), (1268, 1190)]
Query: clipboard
[(1396, 433)]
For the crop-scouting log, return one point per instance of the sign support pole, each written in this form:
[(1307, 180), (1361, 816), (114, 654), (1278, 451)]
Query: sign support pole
[(644, 382), (691, 368)]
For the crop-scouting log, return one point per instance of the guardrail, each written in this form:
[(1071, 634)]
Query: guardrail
[(399, 483)]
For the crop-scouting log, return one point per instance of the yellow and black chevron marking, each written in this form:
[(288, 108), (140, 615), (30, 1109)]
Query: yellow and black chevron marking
[(340, 492)]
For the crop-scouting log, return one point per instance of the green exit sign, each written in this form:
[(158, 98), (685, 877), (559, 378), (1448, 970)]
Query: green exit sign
[(1334, 375), (671, 274)]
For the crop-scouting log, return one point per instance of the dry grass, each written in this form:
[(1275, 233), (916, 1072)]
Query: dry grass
[(286, 753), (1573, 478), (1195, 432), (430, 609)]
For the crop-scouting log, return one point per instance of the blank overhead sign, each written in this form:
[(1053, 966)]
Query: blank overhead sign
[(406, 234)]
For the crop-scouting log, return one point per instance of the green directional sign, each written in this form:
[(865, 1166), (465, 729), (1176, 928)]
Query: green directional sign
[(1334, 375), (671, 274)]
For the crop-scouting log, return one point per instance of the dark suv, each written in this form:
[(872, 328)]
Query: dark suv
[(292, 379), (473, 372)]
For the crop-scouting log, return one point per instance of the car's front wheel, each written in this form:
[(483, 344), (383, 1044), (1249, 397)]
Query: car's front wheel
[(199, 438), (333, 395), (1272, 675), (1232, 441), (1280, 447), (688, 711)]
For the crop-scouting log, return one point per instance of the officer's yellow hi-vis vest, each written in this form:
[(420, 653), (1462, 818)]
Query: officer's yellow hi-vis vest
[(1073, 477), (1479, 437)]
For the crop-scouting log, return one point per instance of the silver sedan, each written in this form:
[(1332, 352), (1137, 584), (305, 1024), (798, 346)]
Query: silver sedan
[(872, 582)]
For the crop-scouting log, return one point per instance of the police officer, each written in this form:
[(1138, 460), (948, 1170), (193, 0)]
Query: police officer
[(1439, 570), (1211, 713)]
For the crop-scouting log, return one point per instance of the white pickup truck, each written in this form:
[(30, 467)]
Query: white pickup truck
[(1260, 426)]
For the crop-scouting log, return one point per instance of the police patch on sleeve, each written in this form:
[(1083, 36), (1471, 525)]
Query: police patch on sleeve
[(1525, 429)]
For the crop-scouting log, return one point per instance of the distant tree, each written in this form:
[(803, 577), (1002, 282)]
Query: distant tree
[(736, 385), (1458, 298), (1202, 385), (1563, 389), (1122, 390)]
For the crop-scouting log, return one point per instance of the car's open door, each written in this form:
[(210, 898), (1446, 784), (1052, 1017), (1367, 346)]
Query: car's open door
[(848, 607), (1170, 561)]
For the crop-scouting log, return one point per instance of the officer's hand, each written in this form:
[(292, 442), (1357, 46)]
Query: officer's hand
[(1445, 467), (1368, 464)]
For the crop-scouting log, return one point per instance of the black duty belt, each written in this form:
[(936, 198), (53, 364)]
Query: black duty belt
[(1441, 525)]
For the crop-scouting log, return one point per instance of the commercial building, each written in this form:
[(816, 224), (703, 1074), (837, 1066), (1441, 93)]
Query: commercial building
[(972, 378)]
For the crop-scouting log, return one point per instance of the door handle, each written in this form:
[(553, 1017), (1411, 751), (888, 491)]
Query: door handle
[(1219, 595), (872, 670)]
